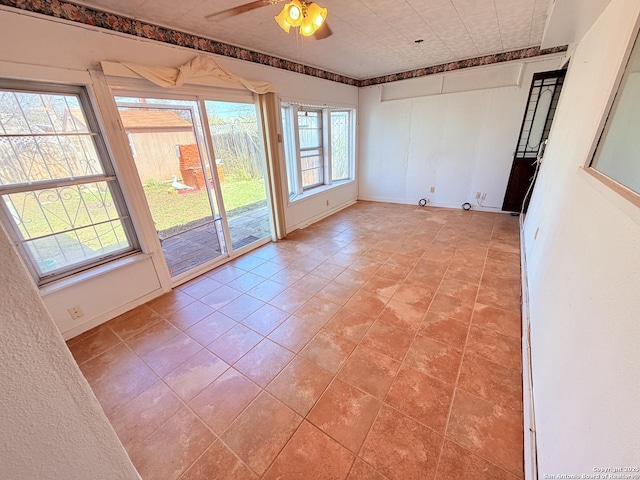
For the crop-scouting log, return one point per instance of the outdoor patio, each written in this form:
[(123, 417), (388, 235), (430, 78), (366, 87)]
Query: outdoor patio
[(199, 245)]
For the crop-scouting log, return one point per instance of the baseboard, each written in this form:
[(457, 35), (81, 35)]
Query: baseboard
[(528, 407), (381, 200), (105, 317), (474, 207), (319, 217)]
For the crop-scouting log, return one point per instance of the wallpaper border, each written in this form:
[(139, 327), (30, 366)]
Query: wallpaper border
[(121, 24)]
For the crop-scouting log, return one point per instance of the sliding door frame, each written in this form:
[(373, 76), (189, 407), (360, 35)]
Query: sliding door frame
[(136, 88)]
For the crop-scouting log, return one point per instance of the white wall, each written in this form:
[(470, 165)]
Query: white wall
[(460, 143), (308, 210), (52, 425), (584, 276), (132, 283), (63, 51)]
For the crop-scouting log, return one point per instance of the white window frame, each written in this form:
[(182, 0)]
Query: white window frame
[(292, 150), (350, 143), (321, 147), (613, 179), (108, 176)]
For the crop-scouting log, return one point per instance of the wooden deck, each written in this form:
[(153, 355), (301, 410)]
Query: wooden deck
[(199, 245)]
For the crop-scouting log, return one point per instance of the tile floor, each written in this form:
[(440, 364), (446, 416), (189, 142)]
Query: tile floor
[(382, 342)]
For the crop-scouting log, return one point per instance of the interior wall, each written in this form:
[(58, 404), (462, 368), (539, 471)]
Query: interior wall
[(459, 143), (52, 424), (63, 51), (581, 242)]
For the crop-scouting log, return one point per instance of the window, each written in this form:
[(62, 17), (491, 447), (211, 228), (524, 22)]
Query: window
[(618, 153), (340, 148), (59, 196), (318, 144), (311, 153)]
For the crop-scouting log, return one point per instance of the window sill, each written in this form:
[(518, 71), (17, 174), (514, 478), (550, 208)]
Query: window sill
[(93, 273), (312, 192), (611, 193), (617, 187)]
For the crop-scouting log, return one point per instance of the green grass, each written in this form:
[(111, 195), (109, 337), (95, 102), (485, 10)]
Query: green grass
[(171, 209), (62, 208), (240, 193), (49, 211)]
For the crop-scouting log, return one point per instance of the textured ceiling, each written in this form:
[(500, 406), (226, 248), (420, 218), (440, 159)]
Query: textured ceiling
[(370, 37)]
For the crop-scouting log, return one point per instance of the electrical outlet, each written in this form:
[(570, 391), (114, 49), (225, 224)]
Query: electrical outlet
[(327, 203), (484, 196), (433, 190), (478, 195), (75, 312)]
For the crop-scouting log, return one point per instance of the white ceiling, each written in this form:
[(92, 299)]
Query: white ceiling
[(370, 37)]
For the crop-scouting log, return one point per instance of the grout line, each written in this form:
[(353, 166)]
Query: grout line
[(510, 473), (383, 400), (464, 349), (359, 254)]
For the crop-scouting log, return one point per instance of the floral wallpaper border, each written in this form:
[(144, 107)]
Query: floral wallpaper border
[(118, 23), (472, 62)]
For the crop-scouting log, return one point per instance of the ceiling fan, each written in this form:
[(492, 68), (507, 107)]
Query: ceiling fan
[(307, 15)]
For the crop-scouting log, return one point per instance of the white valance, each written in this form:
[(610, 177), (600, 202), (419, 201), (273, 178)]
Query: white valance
[(201, 67)]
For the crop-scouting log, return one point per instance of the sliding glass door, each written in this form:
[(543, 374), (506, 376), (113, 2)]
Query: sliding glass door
[(239, 154), (204, 188)]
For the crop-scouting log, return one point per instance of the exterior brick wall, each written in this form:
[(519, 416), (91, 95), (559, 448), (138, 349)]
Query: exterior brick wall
[(191, 168)]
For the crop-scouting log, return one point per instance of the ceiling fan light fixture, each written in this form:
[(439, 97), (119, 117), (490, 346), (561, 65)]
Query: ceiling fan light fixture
[(317, 14), (301, 13), (281, 19), (294, 10), (292, 14), (307, 28)]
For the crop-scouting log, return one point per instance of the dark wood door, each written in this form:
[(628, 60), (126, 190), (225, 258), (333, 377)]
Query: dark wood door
[(536, 125)]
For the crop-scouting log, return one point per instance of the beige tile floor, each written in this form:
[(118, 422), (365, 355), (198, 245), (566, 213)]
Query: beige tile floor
[(382, 342)]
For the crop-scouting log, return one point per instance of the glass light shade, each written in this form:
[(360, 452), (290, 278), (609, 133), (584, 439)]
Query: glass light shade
[(281, 19), (307, 28), (317, 15), (293, 12)]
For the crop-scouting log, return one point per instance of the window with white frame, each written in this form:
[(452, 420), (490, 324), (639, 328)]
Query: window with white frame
[(59, 196), (318, 145), (617, 156), (340, 145)]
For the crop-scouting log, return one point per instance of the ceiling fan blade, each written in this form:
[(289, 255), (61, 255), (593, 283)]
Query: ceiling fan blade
[(247, 7), (323, 32)]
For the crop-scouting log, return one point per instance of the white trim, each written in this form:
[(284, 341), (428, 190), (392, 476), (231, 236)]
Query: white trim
[(107, 176), (612, 195), (291, 149), (317, 104), (199, 270), (326, 146), (319, 217), (131, 86), (311, 192), (216, 190), (528, 410), (189, 93), (124, 163), (474, 208), (39, 73), (217, 262), (92, 272)]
